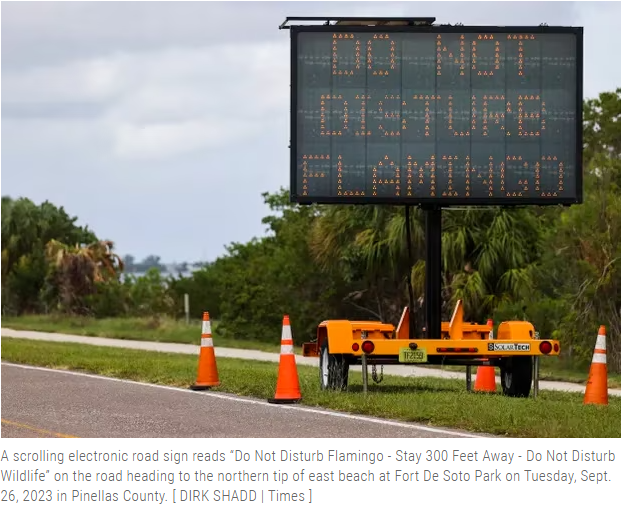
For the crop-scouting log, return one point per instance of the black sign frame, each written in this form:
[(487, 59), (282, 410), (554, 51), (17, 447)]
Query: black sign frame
[(437, 201)]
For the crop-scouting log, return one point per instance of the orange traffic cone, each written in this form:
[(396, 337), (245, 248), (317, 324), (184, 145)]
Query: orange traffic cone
[(596, 389), (486, 378), (207, 374), (287, 391)]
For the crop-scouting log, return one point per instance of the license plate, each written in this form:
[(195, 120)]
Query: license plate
[(409, 356)]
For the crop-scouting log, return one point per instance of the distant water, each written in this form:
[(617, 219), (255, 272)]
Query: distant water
[(165, 274)]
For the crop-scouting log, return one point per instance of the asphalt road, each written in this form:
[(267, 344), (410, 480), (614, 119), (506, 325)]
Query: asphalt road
[(39, 402), (390, 370)]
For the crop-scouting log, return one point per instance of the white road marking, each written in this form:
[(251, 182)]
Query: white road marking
[(263, 403)]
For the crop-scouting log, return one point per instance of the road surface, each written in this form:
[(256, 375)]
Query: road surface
[(391, 370), (38, 402)]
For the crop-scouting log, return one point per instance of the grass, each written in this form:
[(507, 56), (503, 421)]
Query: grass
[(550, 369), (175, 331), (431, 401)]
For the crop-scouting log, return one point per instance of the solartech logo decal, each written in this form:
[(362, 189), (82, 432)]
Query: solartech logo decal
[(509, 347)]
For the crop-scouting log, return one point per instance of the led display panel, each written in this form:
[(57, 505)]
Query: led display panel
[(445, 115)]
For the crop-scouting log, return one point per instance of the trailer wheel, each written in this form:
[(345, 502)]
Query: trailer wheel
[(333, 369), (517, 376)]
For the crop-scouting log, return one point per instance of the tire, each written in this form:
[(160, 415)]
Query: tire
[(333, 370), (517, 376)]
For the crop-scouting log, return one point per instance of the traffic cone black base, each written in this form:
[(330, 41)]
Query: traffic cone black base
[(283, 401), (199, 387)]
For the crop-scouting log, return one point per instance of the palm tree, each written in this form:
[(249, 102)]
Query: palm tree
[(366, 244), (75, 270), (487, 256)]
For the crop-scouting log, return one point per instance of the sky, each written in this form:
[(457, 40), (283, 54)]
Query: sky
[(159, 125)]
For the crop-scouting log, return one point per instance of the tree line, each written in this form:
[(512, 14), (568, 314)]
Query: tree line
[(558, 267)]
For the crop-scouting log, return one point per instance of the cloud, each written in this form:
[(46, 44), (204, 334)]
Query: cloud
[(184, 100), (158, 140), (83, 81), (232, 79), (164, 103)]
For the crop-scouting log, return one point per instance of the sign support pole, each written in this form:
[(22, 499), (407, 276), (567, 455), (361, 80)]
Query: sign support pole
[(433, 272), (410, 289)]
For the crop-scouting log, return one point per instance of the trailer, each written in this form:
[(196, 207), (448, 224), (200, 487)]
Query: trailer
[(327, 167), (512, 348)]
